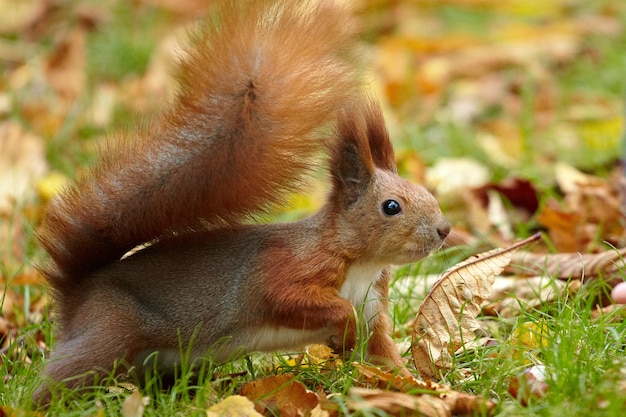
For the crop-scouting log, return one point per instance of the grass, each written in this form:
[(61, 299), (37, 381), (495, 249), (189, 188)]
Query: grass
[(584, 355)]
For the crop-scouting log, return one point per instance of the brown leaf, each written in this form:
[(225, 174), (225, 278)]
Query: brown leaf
[(397, 403), (65, 67), (591, 211), (446, 319), (520, 192), (568, 265), (563, 227), (281, 394), (507, 292), (385, 380), (460, 403), (463, 404), (25, 277), (528, 384), (490, 215)]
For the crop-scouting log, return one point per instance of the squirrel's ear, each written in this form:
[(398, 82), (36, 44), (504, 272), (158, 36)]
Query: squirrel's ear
[(378, 138), (361, 145)]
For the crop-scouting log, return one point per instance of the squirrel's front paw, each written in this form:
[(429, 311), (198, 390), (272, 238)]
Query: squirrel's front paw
[(340, 344)]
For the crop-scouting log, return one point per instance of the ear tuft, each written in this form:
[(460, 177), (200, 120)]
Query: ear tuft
[(361, 145), (378, 137)]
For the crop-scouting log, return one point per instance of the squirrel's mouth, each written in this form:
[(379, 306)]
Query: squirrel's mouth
[(413, 254)]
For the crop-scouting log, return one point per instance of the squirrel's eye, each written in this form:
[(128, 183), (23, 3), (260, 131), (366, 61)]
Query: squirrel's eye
[(391, 207)]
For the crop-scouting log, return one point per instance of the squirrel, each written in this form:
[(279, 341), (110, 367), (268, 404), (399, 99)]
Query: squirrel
[(267, 88)]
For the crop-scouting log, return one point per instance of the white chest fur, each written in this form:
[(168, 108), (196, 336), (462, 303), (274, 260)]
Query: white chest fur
[(360, 289)]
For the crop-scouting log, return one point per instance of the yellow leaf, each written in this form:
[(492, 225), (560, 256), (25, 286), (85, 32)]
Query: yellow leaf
[(531, 335), (233, 406), (602, 134), (51, 184)]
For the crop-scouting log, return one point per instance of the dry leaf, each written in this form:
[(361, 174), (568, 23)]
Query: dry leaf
[(487, 211), (569, 265), (281, 394), (233, 406), (459, 403), (24, 277), (520, 192), (397, 403), (531, 383), (134, 405), (65, 67), (373, 376), (563, 227), (8, 411), (591, 211), (22, 160), (510, 294), (446, 318), (452, 176), (17, 16)]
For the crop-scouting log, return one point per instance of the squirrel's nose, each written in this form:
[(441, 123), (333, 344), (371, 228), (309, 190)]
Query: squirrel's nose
[(443, 228)]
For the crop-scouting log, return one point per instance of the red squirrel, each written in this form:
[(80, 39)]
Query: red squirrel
[(266, 87)]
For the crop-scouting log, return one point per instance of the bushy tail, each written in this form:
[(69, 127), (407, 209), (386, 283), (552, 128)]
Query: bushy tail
[(257, 84)]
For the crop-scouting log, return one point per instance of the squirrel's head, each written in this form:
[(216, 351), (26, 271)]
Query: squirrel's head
[(388, 219)]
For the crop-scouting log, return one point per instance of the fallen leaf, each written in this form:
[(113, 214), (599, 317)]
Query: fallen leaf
[(495, 209), (65, 67), (22, 158), (17, 16), (233, 406), (591, 211), (379, 378), (134, 405), (510, 296), (446, 319), (280, 394), (531, 383), (520, 192), (568, 266), (51, 184), (24, 277), (563, 227), (569, 179), (503, 142), (314, 356), (528, 340), (397, 403), (7, 411), (452, 176)]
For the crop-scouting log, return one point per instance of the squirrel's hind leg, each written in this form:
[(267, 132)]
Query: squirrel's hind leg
[(80, 364)]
